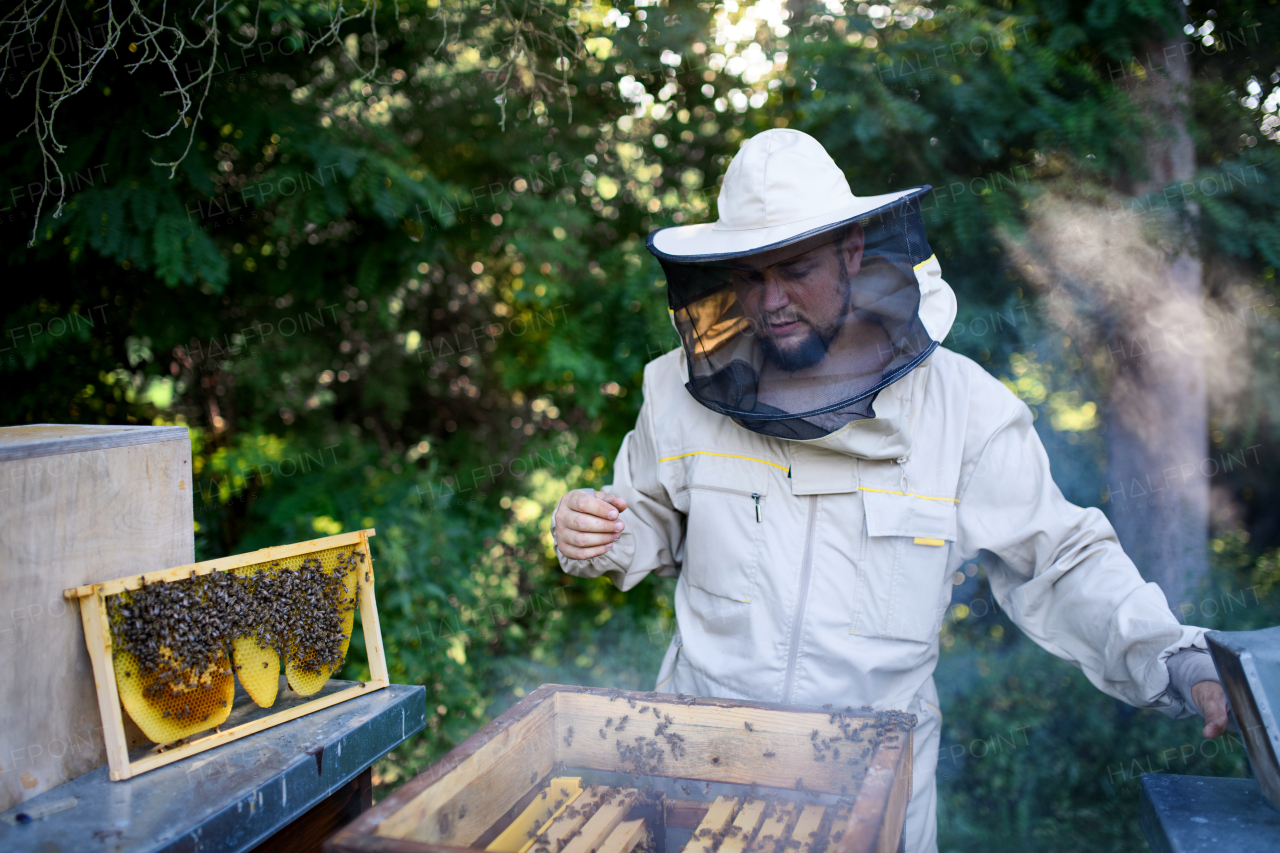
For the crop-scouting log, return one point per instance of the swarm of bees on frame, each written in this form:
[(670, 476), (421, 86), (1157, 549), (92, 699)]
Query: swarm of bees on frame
[(178, 644)]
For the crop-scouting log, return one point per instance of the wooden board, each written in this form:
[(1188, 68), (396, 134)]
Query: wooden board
[(492, 772), (78, 505), (605, 820), (719, 816), (743, 827), (717, 746), (222, 564), (565, 823), (830, 842), (536, 813), (625, 838), (479, 787), (776, 829), (98, 642), (806, 829), (34, 441), (875, 821)]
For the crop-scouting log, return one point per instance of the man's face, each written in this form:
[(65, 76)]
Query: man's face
[(798, 304)]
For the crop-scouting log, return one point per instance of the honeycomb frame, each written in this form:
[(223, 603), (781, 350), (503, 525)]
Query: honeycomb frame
[(98, 639)]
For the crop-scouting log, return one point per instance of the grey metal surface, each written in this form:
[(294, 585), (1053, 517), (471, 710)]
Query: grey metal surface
[(35, 440), (1206, 814), (1249, 664), (227, 799)]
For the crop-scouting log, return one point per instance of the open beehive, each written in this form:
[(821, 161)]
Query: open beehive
[(587, 770), (168, 648)]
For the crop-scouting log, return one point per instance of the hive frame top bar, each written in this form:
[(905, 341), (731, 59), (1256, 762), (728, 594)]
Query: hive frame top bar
[(222, 564)]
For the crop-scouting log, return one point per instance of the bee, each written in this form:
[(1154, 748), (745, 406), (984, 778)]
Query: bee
[(770, 754), (608, 722), (748, 725), (707, 788), (602, 735), (645, 708), (685, 788), (814, 736), (836, 755)]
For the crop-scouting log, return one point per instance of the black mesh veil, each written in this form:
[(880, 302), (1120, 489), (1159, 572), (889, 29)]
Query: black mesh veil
[(794, 340)]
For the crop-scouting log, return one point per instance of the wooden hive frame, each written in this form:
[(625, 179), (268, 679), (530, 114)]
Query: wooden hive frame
[(465, 800), (97, 636)]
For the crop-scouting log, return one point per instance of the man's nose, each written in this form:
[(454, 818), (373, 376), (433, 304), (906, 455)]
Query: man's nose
[(775, 296)]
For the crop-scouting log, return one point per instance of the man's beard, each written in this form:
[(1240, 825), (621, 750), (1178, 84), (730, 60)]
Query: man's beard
[(813, 348), (809, 352)]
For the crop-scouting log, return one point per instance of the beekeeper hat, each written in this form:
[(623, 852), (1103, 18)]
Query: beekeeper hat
[(782, 197)]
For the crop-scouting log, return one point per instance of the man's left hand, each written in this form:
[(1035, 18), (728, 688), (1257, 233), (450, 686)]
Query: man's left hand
[(1212, 702)]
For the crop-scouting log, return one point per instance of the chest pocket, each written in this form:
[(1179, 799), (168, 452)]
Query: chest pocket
[(723, 538), (904, 585)]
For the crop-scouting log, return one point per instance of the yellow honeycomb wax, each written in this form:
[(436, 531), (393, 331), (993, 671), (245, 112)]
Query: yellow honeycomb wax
[(258, 669), (190, 704)]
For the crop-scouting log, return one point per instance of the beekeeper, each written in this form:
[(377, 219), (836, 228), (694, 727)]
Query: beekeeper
[(816, 467)]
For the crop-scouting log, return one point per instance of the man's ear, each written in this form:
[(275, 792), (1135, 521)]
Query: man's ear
[(852, 246)]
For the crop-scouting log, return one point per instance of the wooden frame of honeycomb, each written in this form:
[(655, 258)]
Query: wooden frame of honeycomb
[(594, 770), (214, 687)]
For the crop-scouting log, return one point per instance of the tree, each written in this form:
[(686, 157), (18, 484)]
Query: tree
[(1082, 115)]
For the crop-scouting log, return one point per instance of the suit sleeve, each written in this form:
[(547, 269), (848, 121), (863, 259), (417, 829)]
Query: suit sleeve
[(1059, 572), (653, 540)]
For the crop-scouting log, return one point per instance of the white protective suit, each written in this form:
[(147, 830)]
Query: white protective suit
[(820, 571)]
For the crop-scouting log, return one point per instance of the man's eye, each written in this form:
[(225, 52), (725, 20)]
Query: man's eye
[(796, 272)]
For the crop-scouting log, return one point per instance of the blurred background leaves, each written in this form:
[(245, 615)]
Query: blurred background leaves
[(414, 295)]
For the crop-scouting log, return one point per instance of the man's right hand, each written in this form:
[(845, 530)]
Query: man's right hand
[(587, 523)]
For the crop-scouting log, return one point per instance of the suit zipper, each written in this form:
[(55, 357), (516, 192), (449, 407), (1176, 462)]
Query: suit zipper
[(797, 618), (755, 496)]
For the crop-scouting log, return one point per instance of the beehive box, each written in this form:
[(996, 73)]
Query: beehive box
[(79, 503), (170, 648), (587, 770)]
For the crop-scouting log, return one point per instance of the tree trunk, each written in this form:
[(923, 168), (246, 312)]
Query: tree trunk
[(1157, 425)]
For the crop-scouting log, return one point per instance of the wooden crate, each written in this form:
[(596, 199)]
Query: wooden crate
[(78, 504), (93, 612), (740, 748)]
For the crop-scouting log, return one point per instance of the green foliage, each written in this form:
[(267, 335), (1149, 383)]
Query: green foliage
[(1034, 757)]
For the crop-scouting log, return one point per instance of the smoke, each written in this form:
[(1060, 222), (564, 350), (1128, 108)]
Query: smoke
[(1129, 290)]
